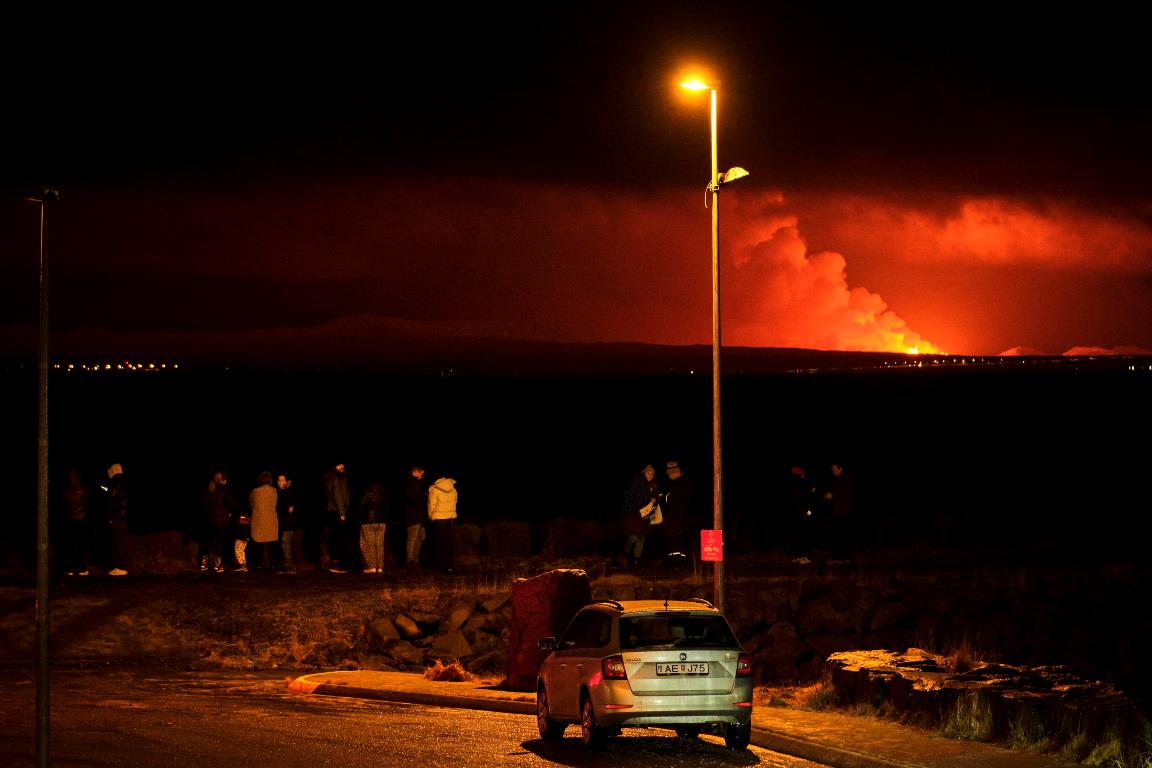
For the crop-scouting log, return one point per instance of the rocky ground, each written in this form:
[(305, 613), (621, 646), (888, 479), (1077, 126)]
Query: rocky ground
[(256, 621), (299, 623)]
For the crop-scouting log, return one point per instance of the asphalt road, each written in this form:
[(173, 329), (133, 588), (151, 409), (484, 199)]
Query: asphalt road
[(163, 719)]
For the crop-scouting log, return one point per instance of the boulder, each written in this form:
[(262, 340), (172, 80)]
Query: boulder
[(405, 655), (542, 606), (407, 628), (380, 633), (1016, 699), (459, 614), (450, 646)]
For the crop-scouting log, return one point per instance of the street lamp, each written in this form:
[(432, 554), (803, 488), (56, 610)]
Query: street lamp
[(714, 184), (43, 626)]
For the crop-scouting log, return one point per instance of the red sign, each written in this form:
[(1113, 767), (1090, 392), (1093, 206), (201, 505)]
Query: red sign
[(712, 546)]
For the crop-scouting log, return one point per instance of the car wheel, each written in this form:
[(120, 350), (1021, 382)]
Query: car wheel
[(592, 735), (687, 732), (737, 735), (550, 730)]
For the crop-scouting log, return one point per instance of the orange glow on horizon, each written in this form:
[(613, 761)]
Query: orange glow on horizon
[(847, 272)]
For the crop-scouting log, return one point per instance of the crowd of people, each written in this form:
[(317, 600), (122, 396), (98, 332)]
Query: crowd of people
[(342, 526), (267, 526), (821, 517)]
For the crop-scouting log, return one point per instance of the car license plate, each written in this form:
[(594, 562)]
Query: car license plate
[(682, 668)]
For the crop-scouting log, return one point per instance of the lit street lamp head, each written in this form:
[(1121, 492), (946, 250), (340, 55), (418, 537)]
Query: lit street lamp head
[(699, 85)]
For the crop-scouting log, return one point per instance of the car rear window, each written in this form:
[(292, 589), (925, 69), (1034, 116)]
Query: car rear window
[(674, 630)]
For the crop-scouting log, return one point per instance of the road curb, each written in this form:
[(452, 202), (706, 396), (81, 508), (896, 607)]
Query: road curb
[(414, 697), (836, 757)]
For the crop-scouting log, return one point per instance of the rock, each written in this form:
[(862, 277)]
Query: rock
[(487, 663), (405, 654), (1007, 702), (494, 604), (779, 650), (450, 646), (407, 628), (542, 606), (458, 614), (380, 633)]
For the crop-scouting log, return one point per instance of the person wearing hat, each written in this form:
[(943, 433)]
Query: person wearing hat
[(676, 504), (115, 533), (334, 549)]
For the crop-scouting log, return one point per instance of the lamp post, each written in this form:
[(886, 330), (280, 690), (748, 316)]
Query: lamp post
[(43, 626), (715, 182)]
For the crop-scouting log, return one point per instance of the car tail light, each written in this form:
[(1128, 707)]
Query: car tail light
[(743, 665), (613, 668)]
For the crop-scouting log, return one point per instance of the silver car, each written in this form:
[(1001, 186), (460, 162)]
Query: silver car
[(645, 663)]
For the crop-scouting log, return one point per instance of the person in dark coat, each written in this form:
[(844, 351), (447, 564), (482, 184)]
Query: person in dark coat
[(75, 530), (839, 497), (114, 526), (636, 512), (804, 513), (219, 510), (415, 513), (678, 511), (287, 519), (336, 554)]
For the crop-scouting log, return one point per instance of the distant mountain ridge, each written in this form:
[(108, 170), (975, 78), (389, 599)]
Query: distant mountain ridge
[(379, 346)]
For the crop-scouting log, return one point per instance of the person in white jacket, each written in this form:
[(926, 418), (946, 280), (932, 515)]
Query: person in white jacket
[(442, 514)]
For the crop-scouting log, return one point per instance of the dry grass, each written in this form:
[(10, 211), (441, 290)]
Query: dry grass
[(964, 656), (790, 696), (452, 672)]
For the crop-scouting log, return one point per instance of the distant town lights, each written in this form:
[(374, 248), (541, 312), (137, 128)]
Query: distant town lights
[(121, 366)]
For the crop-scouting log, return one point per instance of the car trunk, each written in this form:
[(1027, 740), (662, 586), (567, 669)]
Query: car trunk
[(681, 672)]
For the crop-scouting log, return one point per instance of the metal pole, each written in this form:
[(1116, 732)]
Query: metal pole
[(717, 463), (43, 699)]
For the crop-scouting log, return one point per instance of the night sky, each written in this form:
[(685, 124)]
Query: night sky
[(972, 180)]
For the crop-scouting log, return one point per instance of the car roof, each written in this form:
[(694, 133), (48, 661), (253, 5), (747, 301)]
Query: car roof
[(648, 606)]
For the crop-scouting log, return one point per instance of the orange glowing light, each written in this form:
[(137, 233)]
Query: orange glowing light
[(695, 85)]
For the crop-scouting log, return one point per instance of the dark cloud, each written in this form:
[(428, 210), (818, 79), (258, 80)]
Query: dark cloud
[(539, 172)]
